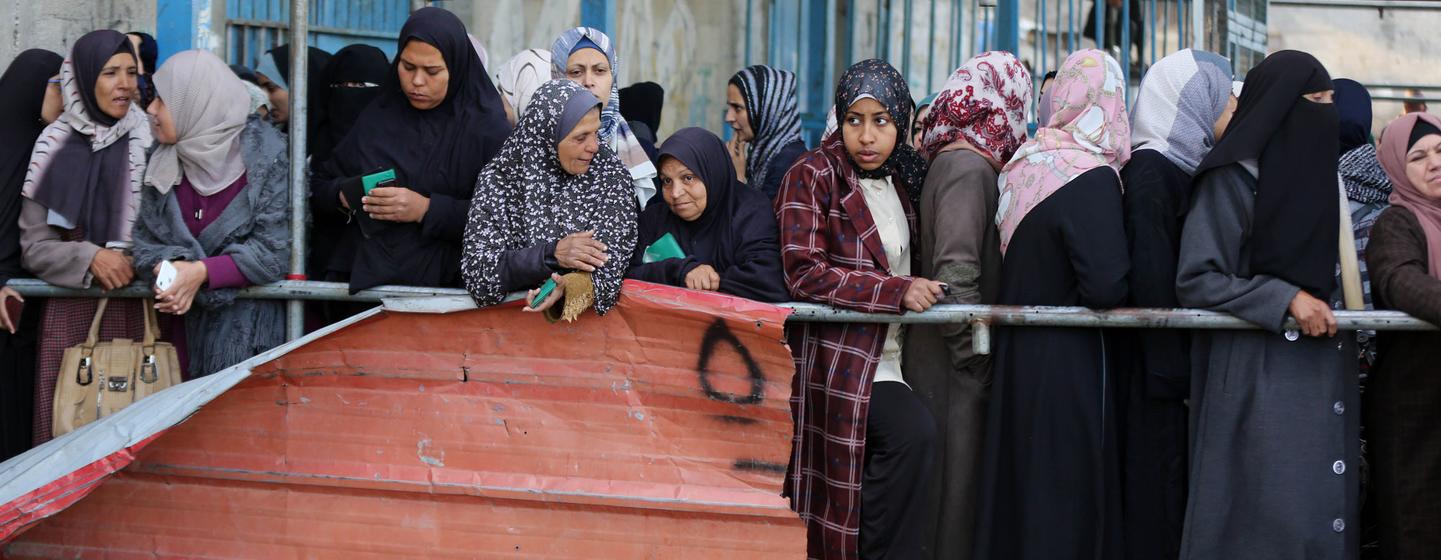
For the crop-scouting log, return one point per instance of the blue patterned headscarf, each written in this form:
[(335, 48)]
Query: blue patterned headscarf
[(614, 132), (770, 97)]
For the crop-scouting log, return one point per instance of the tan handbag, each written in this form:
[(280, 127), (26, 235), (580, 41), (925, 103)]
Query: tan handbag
[(98, 379)]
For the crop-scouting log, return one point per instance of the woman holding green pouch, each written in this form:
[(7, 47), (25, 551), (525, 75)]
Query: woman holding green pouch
[(726, 233)]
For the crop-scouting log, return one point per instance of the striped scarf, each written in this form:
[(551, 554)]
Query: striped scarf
[(770, 97)]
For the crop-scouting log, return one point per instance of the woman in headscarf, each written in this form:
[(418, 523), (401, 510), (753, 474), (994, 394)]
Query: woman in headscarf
[(862, 451), (28, 102), (1049, 474), (146, 51), (518, 79), (437, 122), (216, 207), (352, 80), (80, 197), (1402, 392), (976, 123), (640, 105), (1183, 106), (923, 110), (1367, 188), (585, 56), (273, 72), (727, 231), (761, 111), (555, 204), (1273, 414)]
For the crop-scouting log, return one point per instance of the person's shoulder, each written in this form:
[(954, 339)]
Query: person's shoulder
[(262, 138), (1396, 218)]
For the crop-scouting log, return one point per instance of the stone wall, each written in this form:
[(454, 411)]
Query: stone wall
[(56, 24)]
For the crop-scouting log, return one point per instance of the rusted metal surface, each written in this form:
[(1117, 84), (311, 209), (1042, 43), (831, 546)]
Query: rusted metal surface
[(659, 431)]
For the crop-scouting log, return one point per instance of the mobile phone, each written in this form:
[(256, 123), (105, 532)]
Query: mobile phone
[(545, 290), (166, 277), (372, 181), (945, 288)]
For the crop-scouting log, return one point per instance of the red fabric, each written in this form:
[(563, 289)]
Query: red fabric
[(832, 254)]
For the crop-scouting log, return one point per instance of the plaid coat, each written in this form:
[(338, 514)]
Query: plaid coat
[(832, 254)]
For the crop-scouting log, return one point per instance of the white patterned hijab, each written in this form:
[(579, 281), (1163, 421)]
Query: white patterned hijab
[(209, 106), (1177, 105)]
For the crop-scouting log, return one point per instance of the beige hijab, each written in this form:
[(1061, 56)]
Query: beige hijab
[(209, 106)]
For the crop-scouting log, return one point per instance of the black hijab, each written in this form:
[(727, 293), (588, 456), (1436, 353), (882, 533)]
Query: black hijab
[(364, 68), (736, 234), (437, 153), (149, 50), (1353, 104), (643, 102), (878, 79), (317, 90), (1295, 144), (22, 94)]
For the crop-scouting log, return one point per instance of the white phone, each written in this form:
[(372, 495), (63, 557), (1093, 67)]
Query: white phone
[(166, 278)]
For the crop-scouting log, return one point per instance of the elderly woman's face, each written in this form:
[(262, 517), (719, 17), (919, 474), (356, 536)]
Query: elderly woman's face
[(1423, 166), (423, 75), (683, 190), (579, 146)]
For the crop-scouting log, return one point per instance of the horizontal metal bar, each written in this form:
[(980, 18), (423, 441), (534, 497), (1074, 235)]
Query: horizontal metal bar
[(1366, 4), (1403, 98), (996, 315), (1401, 86), (342, 31)]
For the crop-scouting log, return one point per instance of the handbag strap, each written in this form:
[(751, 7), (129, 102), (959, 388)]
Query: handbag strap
[(152, 326), (92, 338)]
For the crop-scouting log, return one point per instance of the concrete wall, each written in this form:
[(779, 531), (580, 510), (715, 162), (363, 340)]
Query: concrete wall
[(56, 24), (689, 47), (1367, 45)]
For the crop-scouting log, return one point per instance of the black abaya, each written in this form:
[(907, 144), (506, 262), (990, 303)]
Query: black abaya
[(1050, 484)]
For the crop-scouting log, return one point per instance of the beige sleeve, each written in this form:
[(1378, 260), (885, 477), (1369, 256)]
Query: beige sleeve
[(44, 254)]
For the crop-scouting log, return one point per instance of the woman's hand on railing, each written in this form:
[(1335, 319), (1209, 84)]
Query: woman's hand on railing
[(6, 321), (1313, 315), (922, 294), (112, 269), (189, 277)]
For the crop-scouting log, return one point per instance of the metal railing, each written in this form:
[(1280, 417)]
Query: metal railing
[(980, 317)]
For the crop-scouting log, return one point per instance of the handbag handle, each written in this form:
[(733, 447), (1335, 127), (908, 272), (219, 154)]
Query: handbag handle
[(152, 325), (93, 336)]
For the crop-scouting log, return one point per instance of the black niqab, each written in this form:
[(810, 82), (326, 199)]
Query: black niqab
[(736, 234), (437, 153), (22, 94), (643, 102), (355, 64), (1295, 143), (1353, 104)]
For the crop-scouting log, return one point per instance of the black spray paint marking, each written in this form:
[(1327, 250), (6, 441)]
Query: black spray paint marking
[(718, 332)]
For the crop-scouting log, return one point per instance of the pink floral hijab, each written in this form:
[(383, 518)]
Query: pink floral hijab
[(1088, 128)]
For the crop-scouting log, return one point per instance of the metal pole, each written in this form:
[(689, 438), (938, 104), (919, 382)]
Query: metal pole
[(1198, 24), (931, 52), (299, 190), (906, 42), (1100, 29), (1126, 48)]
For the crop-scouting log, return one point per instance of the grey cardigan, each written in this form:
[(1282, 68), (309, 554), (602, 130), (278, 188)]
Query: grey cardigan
[(253, 230)]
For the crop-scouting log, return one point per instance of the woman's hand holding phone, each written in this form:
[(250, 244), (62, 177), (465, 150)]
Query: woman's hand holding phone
[(395, 204), (177, 298), (556, 294)]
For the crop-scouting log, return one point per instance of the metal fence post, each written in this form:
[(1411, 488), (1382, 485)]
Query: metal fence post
[(299, 190)]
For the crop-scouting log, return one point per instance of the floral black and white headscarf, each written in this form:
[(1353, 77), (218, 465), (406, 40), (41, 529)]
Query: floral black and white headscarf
[(524, 198)]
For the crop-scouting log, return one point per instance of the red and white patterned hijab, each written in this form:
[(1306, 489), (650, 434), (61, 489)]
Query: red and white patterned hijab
[(984, 104)]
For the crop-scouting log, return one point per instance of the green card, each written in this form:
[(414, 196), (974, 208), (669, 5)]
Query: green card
[(373, 180), (663, 248)]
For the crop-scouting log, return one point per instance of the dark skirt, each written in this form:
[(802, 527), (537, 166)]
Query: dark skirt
[(17, 381)]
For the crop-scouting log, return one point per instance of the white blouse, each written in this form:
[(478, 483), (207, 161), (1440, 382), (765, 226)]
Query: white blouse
[(885, 206)]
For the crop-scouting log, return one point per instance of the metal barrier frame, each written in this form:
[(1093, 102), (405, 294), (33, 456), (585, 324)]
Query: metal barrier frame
[(980, 317)]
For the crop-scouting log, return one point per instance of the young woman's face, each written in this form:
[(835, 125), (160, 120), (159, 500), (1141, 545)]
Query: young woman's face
[(916, 127), (591, 69), (279, 99), (683, 190), (579, 147), (423, 75), (869, 133), (162, 124), (1423, 166), (115, 87), (737, 114)]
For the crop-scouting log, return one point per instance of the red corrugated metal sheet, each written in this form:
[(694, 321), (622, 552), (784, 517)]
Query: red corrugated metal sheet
[(659, 431)]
